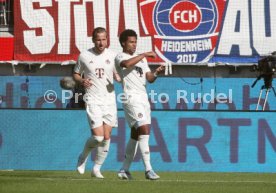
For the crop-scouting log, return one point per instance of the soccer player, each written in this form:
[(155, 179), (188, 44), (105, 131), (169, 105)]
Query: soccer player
[(97, 66), (134, 71)]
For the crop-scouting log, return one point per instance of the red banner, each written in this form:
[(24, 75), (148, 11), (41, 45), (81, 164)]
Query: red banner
[(6, 48), (180, 32), (58, 30), (39, 32)]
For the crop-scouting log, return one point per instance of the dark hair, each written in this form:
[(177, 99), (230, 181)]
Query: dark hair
[(125, 34), (98, 30)]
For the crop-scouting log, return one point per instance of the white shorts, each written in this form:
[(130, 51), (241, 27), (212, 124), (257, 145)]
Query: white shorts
[(137, 114), (99, 114)]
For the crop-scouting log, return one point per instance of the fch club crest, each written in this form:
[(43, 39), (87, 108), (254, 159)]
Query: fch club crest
[(184, 31)]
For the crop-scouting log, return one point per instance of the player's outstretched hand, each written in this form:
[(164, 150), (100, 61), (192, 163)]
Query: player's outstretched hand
[(86, 83), (161, 68), (150, 54)]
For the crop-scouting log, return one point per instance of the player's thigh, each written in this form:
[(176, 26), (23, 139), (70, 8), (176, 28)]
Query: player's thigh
[(129, 115), (95, 116), (110, 115), (137, 115)]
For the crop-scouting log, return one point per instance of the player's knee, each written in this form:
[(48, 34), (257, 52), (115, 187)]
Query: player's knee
[(134, 134), (99, 139), (106, 137), (144, 130)]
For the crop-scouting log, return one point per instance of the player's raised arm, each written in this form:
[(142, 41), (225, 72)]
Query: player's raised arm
[(151, 77), (128, 41), (133, 61)]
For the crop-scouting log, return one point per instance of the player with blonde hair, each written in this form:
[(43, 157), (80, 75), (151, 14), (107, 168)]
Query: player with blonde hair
[(98, 68)]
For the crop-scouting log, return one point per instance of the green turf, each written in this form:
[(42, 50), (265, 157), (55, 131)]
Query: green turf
[(170, 182)]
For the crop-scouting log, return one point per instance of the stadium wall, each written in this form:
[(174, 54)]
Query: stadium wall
[(180, 141)]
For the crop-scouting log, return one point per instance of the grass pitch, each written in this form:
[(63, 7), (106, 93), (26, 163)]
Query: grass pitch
[(170, 182)]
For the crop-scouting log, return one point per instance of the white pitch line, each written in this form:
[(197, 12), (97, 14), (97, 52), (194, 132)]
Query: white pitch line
[(156, 181)]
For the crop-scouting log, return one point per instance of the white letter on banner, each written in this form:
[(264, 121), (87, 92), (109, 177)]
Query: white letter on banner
[(38, 18), (132, 22), (64, 25), (263, 44), (82, 41), (228, 35), (114, 14)]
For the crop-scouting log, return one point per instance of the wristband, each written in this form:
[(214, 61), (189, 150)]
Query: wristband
[(155, 74)]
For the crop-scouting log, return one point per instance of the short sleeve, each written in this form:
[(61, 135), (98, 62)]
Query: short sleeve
[(79, 67), (119, 58)]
